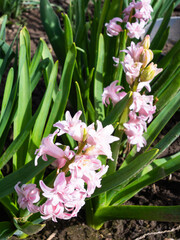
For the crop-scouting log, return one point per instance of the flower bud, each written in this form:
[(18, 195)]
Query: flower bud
[(149, 72), (146, 57), (146, 42)]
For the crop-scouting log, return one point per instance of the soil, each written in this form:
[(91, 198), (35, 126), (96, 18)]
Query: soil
[(164, 192)]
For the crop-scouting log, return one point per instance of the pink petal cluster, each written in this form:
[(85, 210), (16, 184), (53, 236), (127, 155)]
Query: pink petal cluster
[(28, 194), (134, 129), (80, 169), (101, 139), (142, 110), (73, 126), (143, 105), (48, 147), (131, 68), (112, 92), (142, 10), (136, 29), (64, 200), (112, 28)]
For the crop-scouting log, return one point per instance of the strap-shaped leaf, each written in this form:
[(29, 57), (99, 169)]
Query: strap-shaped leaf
[(24, 111), (17, 143), (169, 165), (53, 29), (7, 91), (42, 117), (167, 76), (117, 110), (8, 53), (168, 139), (164, 62), (29, 228), (80, 25), (68, 32), (169, 93), (163, 26), (98, 81), (80, 105), (3, 28), (24, 174), (113, 180), (6, 230), (36, 59), (151, 213), (64, 90)]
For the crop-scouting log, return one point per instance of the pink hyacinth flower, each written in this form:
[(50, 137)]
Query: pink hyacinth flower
[(135, 30), (129, 8), (90, 169), (72, 126), (101, 139), (68, 155), (48, 210), (48, 147), (144, 106), (135, 51), (113, 29), (131, 68), (27, 195), (65, 199), (112, 92), (143, 10), (134, 129), (116, 60)]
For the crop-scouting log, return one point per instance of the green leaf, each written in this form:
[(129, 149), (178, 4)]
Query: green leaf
[(163, 26), (169, 93), (42, 117), (167, 76), (29, 228), (36, 60), (24, 174), (164, 62), (123, 175), (117, 110), (8, 56), (68, 32), (168, 139), (151, 213), (7, 91), (6, 230), (24, 111), (27, 43), (119, 71), (161, 43), (80, 105), (64, 90), (80, 22), (9, 205), (17, 143), (98, 81), (53, 29), (3, 27), (157, 170)]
